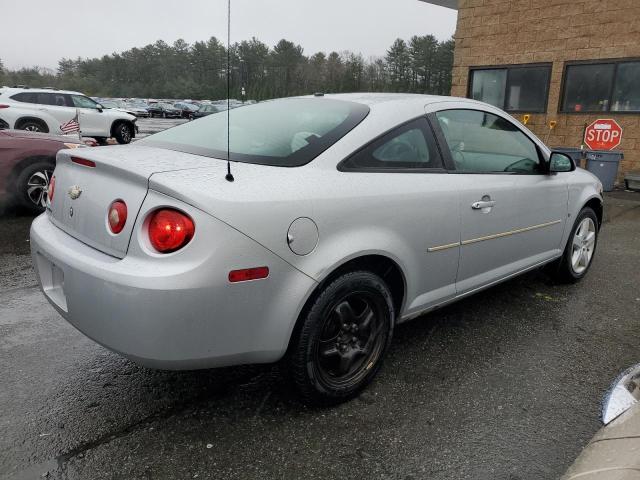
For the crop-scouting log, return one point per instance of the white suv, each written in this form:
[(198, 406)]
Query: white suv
[(46, 110)]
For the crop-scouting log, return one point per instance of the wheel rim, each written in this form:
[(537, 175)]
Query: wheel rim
[(37, 187), (584, 243), (352, 339), (32, 128), (125, 134)]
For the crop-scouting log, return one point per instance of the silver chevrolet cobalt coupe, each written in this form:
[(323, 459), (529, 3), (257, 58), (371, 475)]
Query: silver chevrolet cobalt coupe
[(343, 216)]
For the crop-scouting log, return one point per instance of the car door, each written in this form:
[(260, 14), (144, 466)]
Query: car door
[(57, 105), (416, 201), (93, 121), (512, 211)]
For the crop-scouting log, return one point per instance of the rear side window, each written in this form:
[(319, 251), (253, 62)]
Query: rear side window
[(486, 143), (26, 97), (55, 99), (410, 146)]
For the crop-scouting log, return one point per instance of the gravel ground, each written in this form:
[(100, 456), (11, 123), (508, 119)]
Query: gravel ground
[(503, 385)]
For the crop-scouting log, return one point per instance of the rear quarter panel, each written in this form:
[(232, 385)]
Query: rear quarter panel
[(398, 216)]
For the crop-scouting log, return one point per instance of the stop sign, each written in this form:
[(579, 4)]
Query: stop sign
[(603, 134)]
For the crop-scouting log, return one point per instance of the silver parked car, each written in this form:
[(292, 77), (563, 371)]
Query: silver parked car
[(341, 216), (612, 454)]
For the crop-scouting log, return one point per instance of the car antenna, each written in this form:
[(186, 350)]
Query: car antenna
[(229, 176)]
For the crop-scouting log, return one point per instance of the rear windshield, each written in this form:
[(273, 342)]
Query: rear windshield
[(288, 132)]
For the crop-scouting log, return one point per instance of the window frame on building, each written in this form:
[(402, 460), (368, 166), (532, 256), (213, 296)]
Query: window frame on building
[(508, 68), (616, 62)]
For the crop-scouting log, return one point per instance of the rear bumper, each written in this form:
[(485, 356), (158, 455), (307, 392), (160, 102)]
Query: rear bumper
[(177, 315)]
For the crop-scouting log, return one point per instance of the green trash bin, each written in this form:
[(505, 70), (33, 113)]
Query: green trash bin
[(604, 165)]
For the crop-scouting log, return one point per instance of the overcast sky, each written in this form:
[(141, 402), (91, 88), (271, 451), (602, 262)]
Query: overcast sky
[(40, 32)]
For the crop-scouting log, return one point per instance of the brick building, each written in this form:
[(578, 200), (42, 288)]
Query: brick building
[(570, 61)]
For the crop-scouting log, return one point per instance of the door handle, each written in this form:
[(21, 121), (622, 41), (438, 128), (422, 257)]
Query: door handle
[(483, 204)]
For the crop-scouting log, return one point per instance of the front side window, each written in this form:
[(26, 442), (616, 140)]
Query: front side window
[(521, 88), (80, 101), (288, 132), (481, 142), (410, 146)]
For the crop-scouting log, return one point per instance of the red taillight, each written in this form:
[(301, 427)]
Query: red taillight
[(4, 106), (52, 188), (83, 162), (170, 230), (117, 216), (247, 274)]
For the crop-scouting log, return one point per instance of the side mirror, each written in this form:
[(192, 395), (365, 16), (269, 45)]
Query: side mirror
[(560, 162), (99, 107)]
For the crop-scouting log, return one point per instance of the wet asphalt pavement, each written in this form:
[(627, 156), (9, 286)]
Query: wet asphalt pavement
[(504, 385)]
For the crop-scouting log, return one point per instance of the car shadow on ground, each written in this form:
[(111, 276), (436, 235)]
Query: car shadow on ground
[(503, 384), (427, 362)]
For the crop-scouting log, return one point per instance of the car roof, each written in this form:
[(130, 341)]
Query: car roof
[(374, 99), (395, 106), (388, 110), (14, 90)]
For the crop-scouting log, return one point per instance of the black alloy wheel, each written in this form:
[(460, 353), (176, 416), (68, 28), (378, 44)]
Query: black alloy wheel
[(32, 185), (340, 343), (123, 133)]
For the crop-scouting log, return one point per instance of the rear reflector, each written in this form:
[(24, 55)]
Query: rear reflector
[(52, 188), (83, 161), (4, 106), (247, 274), (117, 216)]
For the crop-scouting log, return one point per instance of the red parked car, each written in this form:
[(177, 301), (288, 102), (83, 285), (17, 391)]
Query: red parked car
[(27, 160)]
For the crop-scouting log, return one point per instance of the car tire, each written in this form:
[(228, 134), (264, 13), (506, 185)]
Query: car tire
[(340, 341), (123, 133), (32, 184), (33, 126), (579, 251)]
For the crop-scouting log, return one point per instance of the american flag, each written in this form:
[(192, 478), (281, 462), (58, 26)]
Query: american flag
[(71, 126)]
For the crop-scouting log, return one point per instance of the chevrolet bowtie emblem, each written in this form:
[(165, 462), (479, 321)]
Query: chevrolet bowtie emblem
[(75, 192)]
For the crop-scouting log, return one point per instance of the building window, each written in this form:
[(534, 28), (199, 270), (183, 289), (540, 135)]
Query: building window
[(602, 87), (626, 93), (522, 88)]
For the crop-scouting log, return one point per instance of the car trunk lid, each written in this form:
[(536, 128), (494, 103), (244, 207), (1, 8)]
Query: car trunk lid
[(83, 194)]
